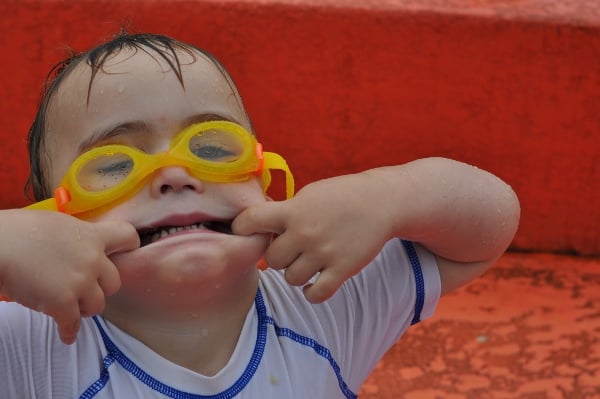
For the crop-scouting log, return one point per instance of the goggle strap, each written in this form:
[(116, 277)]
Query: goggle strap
[(45, 205), (258, 150), (63, 197), (276, 161), (57, 203)]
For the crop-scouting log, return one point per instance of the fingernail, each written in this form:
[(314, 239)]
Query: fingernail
[(262, 264)]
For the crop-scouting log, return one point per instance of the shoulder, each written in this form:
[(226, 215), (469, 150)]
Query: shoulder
[(36, 362), (18, 322), (36, 333)]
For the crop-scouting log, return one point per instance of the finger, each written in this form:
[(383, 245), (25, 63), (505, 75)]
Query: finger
[(268, 217), (301, 270), (326, 284), (109, 279), (118, 236), (92, 303), (282, 252), (68, 321)]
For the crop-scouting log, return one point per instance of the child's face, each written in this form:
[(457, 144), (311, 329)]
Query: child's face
[(137, 100)]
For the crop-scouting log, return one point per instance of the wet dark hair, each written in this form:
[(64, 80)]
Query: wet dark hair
[(164, 47)]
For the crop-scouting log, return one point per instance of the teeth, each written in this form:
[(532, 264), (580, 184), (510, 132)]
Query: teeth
[(171, 230), (148, 238)]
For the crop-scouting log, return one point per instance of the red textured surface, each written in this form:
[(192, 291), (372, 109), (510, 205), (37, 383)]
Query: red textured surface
[(337, 87), (527, 329)]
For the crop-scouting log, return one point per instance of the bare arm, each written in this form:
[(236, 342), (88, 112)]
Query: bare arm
[(467, 217)]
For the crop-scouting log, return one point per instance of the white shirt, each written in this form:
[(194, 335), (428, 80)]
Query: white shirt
[(288, 348)]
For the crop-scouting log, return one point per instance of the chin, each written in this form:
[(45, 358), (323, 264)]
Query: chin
[(185, 286)]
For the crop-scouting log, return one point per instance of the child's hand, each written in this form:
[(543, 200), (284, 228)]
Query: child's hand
[(331, 226), (59, 265)]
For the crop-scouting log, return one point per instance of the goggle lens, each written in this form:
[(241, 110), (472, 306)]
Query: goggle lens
[(216, 145), (104, 172)]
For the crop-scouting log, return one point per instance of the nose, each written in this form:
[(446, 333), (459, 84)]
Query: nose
[(174, 179)]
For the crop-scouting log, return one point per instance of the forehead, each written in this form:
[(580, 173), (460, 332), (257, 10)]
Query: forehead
[(135, 85), (131, 72)]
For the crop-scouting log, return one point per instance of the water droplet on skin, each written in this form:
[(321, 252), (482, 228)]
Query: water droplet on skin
[(120, 89), (204, 332)]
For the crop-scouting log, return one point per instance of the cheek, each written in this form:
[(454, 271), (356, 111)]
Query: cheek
[(122, 211), (245, 194)]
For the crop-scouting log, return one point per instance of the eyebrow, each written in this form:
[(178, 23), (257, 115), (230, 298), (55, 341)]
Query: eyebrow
[(141, 126), (112, 131), (198, 118)]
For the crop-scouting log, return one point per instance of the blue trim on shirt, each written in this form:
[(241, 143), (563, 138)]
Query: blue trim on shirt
[(419, 280), (100, 382), (306, 341), (320, 350), (115, 355)]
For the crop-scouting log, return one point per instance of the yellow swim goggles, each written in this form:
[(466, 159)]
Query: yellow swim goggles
[(215, 151)]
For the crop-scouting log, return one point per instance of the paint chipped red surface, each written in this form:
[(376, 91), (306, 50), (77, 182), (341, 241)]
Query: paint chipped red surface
[(527, 329)]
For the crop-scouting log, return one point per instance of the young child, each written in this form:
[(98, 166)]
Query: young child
[(149, 270)]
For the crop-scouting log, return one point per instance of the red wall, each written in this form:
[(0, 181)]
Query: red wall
[(337, 88)]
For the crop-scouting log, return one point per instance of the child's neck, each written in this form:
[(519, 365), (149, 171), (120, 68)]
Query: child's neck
[(212, 328)]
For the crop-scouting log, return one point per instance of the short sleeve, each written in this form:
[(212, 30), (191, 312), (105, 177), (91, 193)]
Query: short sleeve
[(400, 288)]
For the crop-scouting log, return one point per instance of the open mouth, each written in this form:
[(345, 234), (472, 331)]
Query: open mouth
[(148, 236)]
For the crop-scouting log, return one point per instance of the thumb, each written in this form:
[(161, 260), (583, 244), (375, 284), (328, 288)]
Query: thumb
[(118, 236), (268, 217)]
